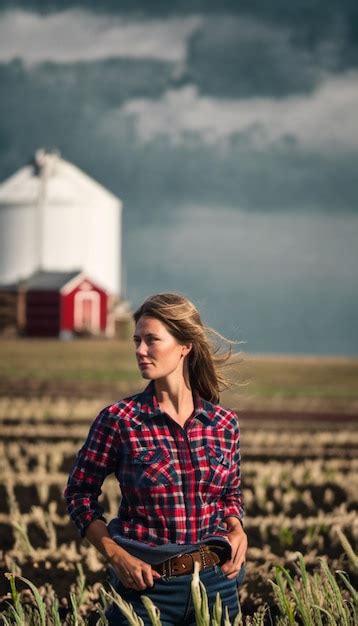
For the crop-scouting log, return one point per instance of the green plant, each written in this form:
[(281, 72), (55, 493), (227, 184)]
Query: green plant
[(308, 598), (38, 614), (125, 607), (39, 601), (286, 536), (347, 548)]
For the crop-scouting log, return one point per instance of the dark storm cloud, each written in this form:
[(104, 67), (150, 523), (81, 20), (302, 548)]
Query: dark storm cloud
[(64, 103), (239, 57), (276, 179), (282, 10)]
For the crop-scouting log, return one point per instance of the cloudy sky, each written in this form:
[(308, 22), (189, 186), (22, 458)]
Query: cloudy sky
[(230, 131)]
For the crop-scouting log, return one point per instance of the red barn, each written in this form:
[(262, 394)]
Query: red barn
[(63, 303)]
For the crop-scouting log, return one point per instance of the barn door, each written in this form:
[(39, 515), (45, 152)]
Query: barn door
[(87, 311)]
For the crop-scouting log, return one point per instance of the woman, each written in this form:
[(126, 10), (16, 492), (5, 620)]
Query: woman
[(175, 453)]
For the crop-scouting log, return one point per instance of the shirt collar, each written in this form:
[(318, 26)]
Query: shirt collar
[(148, 405)]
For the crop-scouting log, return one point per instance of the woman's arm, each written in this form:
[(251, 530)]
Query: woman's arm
[(96, 459), (132, 572)]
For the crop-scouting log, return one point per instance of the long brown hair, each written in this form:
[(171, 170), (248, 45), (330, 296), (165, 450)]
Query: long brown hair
[(206, 361)]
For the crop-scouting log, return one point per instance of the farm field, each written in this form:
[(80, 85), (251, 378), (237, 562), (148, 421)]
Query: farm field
[(299, 460), (107, 369)]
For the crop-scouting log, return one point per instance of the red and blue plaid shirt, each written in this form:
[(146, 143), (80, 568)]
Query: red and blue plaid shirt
[(177, 484)]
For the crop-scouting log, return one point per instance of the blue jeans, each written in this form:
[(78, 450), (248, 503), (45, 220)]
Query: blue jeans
[(172, 596)]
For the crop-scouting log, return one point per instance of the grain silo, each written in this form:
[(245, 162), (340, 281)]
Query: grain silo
[(54, 217)]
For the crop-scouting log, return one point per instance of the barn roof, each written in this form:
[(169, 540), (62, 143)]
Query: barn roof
[(48, 281), (48, 178), (9, 286)]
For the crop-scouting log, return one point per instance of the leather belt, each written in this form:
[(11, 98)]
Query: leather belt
[(184, 563)]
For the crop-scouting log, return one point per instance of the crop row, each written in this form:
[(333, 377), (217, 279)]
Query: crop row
[(265, 442), (26, 464)]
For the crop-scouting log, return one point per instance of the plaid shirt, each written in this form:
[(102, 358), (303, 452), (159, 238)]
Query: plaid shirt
[(177, 484)]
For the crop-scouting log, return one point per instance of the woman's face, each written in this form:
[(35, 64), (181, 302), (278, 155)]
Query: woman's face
[(158, 353)]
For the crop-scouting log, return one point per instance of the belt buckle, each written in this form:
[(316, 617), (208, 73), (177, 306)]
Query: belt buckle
[(172, 572), (167, 566)]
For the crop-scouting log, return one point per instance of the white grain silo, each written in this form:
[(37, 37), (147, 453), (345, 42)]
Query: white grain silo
[(55, 217)]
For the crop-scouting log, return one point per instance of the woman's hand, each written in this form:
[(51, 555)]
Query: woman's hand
[(238, 540), (132, 572)]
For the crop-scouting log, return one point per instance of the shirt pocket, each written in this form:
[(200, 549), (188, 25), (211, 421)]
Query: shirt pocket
[(153, 467), (215, 479)]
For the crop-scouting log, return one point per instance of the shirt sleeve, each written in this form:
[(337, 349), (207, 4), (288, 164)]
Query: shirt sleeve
[(96, 459), (232, 497)]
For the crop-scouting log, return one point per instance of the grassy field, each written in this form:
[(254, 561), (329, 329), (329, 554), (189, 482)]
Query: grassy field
[(100, 367), (60, 361)]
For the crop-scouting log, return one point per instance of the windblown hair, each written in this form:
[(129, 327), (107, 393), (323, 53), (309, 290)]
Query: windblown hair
[(183, 321)]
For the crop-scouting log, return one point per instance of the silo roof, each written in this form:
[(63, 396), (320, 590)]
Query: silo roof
[(50, 178)]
